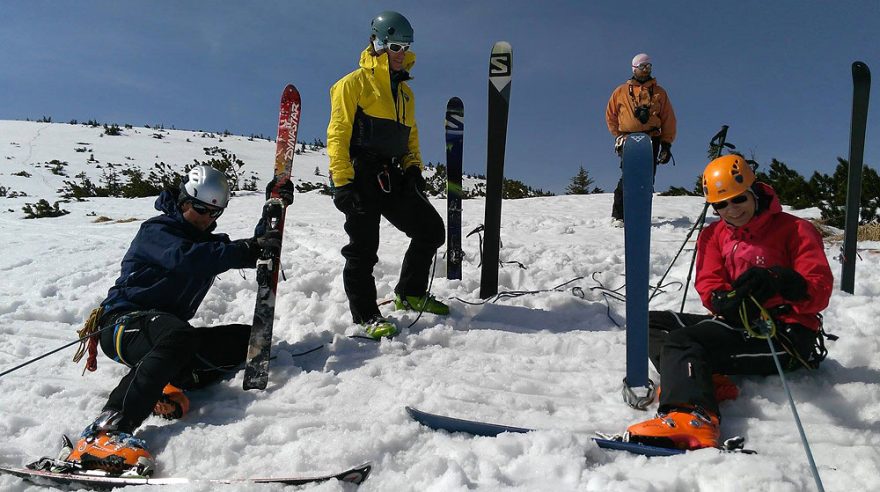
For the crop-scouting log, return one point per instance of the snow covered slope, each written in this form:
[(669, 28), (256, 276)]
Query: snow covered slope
[(551, 361)]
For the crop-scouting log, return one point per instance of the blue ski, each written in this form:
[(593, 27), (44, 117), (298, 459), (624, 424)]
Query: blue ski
[(450, 424), (638, 163), (637, 447)]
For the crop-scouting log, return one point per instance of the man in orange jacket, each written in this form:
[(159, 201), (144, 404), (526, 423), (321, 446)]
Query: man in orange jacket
[(640, 105)]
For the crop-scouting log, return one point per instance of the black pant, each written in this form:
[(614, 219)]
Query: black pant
[(379, 190), (687, 349), (617, 206), (161, 348)]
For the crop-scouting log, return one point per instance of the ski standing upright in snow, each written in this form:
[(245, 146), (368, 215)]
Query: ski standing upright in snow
[(454, 144), (638, 155), (500, 65), (256, 372), (858, 125)]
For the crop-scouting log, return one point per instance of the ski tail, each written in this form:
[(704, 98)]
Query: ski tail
[(858, 127), (500, 70), (454, 146)]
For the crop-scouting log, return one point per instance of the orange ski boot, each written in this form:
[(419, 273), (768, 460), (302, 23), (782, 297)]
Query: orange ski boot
[(173, 404), (102, 447), (679, 429)]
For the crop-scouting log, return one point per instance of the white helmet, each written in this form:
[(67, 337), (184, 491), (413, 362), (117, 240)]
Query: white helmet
[(640, 59), (206, 185)]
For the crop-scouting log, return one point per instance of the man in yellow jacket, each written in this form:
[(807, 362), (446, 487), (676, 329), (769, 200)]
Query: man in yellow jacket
[(640, 105), (376, 169)]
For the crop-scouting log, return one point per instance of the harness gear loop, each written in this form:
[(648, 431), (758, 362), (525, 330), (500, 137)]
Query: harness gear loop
[(88, 332)]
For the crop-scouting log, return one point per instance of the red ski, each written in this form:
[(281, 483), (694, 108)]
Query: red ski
[(256, 372)]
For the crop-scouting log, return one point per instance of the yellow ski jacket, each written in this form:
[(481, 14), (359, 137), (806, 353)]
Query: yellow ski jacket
[(365, 118)]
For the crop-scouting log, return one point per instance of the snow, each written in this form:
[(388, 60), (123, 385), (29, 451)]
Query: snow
[(552, 361)]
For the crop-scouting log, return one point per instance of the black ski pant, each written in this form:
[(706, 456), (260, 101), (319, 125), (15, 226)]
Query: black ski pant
[(161, 348), (686, 349), (380, 191), (617, 206)]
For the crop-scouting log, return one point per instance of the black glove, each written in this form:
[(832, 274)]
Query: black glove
[(665, 153), (348, 199), (270, 241), (412, 176), (757, 282), (790, 284), (728, 303), (285, 190)]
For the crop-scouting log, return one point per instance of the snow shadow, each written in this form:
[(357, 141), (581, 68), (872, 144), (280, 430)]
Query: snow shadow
[(519, 319)]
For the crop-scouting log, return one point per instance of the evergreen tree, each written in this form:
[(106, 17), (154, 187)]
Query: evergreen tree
[(580, 183)]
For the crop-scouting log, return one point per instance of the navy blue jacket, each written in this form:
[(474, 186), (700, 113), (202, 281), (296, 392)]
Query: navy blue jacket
[(171, 264)]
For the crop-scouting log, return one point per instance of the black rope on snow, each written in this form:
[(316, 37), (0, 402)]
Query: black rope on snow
[(510, 294)]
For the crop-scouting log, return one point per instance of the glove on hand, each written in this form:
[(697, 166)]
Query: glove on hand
[(790, 284), (728, 304), (757, 282), (348, 200), (412, 176), (665, 153), (764, 283), (270, 242), (285, 190)]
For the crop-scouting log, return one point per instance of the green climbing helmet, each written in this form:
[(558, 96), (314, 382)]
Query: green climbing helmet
[(391, 27)]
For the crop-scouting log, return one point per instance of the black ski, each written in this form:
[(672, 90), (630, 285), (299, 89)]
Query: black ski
[(54, 472), (454, 144), (256, 371), (500, 65), (858, 125)]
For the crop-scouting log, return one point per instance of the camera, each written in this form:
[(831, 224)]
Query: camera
[(643, 113)]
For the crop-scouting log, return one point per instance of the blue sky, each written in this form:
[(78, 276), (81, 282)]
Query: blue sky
[(777, 72)]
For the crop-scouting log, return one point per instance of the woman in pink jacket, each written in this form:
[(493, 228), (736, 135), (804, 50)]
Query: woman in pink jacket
[(756, 261)]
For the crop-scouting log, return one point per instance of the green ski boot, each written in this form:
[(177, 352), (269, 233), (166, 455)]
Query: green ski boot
[(379, 327), (426, 303)]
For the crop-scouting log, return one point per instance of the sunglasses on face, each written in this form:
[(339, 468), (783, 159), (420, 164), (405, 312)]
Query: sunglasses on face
[(737, 200), (396, 47), (644, 66), (203, 209)]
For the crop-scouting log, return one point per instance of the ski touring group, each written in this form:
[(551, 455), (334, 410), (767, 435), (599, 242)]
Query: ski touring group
[(760, 272)]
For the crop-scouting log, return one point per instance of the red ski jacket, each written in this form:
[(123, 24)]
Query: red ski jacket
[(771, 238)]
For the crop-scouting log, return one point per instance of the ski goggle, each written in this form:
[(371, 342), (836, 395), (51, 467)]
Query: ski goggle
[(739, 199), (203, 209), (396, 47), (644, 66)]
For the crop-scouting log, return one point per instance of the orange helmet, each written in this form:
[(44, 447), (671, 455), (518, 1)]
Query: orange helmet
[(727, 177)]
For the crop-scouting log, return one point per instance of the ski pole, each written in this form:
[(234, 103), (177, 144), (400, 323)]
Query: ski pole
[(677, 254), (54, 351), (716, 146), (797, 419), (699, 225)]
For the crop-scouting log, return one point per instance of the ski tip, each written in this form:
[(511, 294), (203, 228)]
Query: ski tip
[(502, 47)]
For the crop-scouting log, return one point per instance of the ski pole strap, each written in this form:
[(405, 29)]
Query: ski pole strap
[(88, 341)]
